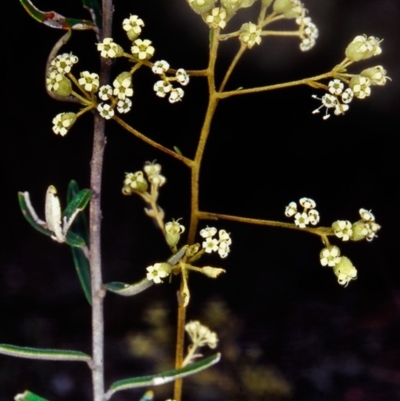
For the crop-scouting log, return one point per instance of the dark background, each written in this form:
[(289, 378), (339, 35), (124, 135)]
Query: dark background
[(288, 331)]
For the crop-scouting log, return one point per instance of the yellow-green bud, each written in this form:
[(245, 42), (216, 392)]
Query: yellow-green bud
[(65, 87), (345, 271), (377, 75), (362, 48), (123, 77), (288, 8), (212, 272), (360, 231)]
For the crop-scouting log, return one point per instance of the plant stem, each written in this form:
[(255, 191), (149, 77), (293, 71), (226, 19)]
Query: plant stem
[(98, 293)]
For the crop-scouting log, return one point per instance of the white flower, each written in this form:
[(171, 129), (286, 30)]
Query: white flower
[(361, 86), (109, 49), (208, 232), (105, 92), (123, 86), (366, 215), (223, 249), (291, 209), (301, 220), (313, 216), (89, 81), (210, 245), (342, 229), (347, 95), (105, 110), (133, 26), (330, 256), (308, 32), (124, 105), (216, 18), (162, 88), (134, 182), (64, 62), (307, 203), (372, 228), (176, 95), (335, 86), (224, 237), (157, 272), (152, 168), (331, 101), (63, 122), (160, 67), (182, 76), (53, 80), (142, 49)]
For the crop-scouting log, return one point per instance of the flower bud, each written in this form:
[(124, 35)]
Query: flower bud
[(65, 87), (377, 75), (362, 48), (345, 271), (212, 272), (134, 182), (360, 231)]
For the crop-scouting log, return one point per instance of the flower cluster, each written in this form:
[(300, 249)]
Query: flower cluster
[(365, 228), (201, 335), (137, 182), (56, 79), (341, 265), (221, 245), (359, 85), (308, 33), (164, 86), (333, 99), (309, 215)]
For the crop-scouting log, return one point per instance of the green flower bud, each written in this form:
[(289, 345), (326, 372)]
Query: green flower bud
[(65, 87), (345, 271), (360, 231)]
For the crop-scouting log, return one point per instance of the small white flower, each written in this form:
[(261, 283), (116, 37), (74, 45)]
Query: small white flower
[(347, 95), (152, 168), (307, 203), (361, 86), (342, 229), (313, 216), (208, 232), (291, 209), (109, 49), (330, 256), (301, 220), (223, 249), (216, 18), (345, 271), (160, 67), (142, 49), (105, 110), (162, 88), (123, 86), (105, 92), (64, 62), (210, 245), (224, 237), (133, 26), (89, 81), (124, 105), (176, 95), (134, 182), (53, 80), (63, 122), (250, 34), (201, 335), (366, 215), (157, 272), (335, 87), (372, 228), (182, 76)]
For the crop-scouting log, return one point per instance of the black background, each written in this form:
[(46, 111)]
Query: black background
[(285, 311)]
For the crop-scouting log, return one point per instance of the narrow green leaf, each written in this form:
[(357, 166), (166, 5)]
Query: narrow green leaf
[(128, 290), (177, 150), (74, 240), (94, 8), (43, 353), (30, 214), (28, 396), (80, 226), (78, 202), (162, 378)]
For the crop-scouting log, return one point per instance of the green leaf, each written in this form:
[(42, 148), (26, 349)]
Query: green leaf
[(147, 396), (30, 214), (95, 11), (128, 290), (162, 378), (74, 240), (28, 396), (80, 226), (43, 353), (78, 202)]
